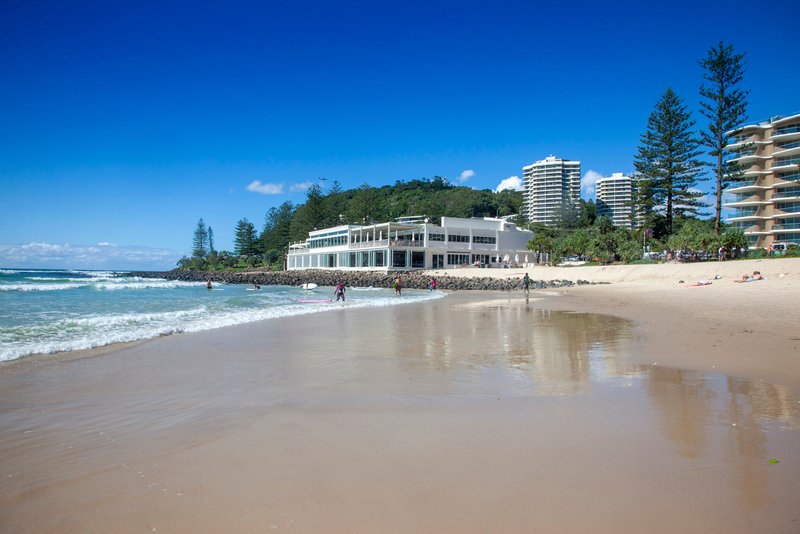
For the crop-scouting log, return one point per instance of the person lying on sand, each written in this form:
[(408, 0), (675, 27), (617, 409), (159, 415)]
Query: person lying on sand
[(750, 277)]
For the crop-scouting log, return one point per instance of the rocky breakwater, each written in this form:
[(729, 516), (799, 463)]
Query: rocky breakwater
[(414, 280)]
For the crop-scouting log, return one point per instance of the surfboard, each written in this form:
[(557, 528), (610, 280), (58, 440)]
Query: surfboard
[(306, 301), (309, 285)]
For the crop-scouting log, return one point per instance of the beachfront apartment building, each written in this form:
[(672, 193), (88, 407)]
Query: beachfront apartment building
[(615, 200), (765, 199), (414, 243), (551, 186)]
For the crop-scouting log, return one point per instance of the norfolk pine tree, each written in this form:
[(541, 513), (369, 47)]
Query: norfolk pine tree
[(667, 161), (245, 238), (200, 241), (725, 107)]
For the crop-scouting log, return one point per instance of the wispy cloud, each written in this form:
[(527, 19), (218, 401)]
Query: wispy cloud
[(101, 256), (300, 187), (512, 182), (256, 186), (466, 175), (708, 198), (588, 182)]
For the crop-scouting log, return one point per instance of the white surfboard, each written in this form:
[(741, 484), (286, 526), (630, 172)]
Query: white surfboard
[(309, 285)]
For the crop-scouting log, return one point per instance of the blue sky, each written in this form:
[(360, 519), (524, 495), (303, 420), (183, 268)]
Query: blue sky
[(123, 123)]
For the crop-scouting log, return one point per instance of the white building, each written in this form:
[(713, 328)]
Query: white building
[(405, 246), (551, 185), (614, 199)]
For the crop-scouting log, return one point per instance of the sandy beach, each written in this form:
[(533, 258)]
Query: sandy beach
[(643, 405)]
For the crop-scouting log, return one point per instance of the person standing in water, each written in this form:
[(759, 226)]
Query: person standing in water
[(339, 291), (398, 285), (208, 283), (526, 283)]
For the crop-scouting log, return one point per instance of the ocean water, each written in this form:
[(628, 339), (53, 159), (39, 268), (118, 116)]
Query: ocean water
[(49, 311)]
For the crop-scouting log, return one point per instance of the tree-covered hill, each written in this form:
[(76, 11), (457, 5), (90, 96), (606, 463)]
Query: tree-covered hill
[(288, 223)]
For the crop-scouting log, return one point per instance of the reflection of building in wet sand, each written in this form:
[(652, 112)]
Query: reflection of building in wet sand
[(556, 354), (568, 351)]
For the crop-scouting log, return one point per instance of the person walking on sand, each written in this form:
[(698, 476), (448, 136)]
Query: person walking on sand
[(526, 284), (338, 292), (398, 285)]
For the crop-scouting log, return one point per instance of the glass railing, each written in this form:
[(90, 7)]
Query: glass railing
[(787, 193), (789, 208), (741, 183), (743, 213), (791, 128), (789, 176), (788, 145), (784, 226), (780, 162)]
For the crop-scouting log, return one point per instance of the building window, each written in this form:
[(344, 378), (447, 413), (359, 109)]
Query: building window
[(380, 258), (399, 258), (418, 259), (458, 259), (437, 261), (436, 237), (480, 259), (455, 238), (490, 240)]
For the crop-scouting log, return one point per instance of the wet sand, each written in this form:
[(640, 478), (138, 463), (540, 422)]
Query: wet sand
[(593, 409)]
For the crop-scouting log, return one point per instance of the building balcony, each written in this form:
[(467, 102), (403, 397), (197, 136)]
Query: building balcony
[(792, 227), (788, 136), (744, 159), (743, 186), (786, 152), (783, 167), (752, 141), (741, 216), (747, 203), (785, 196)]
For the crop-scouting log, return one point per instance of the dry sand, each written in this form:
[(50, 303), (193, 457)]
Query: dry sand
[(641, 406)]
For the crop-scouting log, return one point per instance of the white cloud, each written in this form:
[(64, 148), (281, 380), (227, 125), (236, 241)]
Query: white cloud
[(588, 182), (709, 198), (512, 182), (101, 256), (265, 189), (106, 244), (302, 186), (466, 175)]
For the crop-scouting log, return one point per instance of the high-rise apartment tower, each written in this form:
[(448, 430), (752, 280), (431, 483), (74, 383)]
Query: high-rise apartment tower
[(614, 198), (766, 198), (552, 186)]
